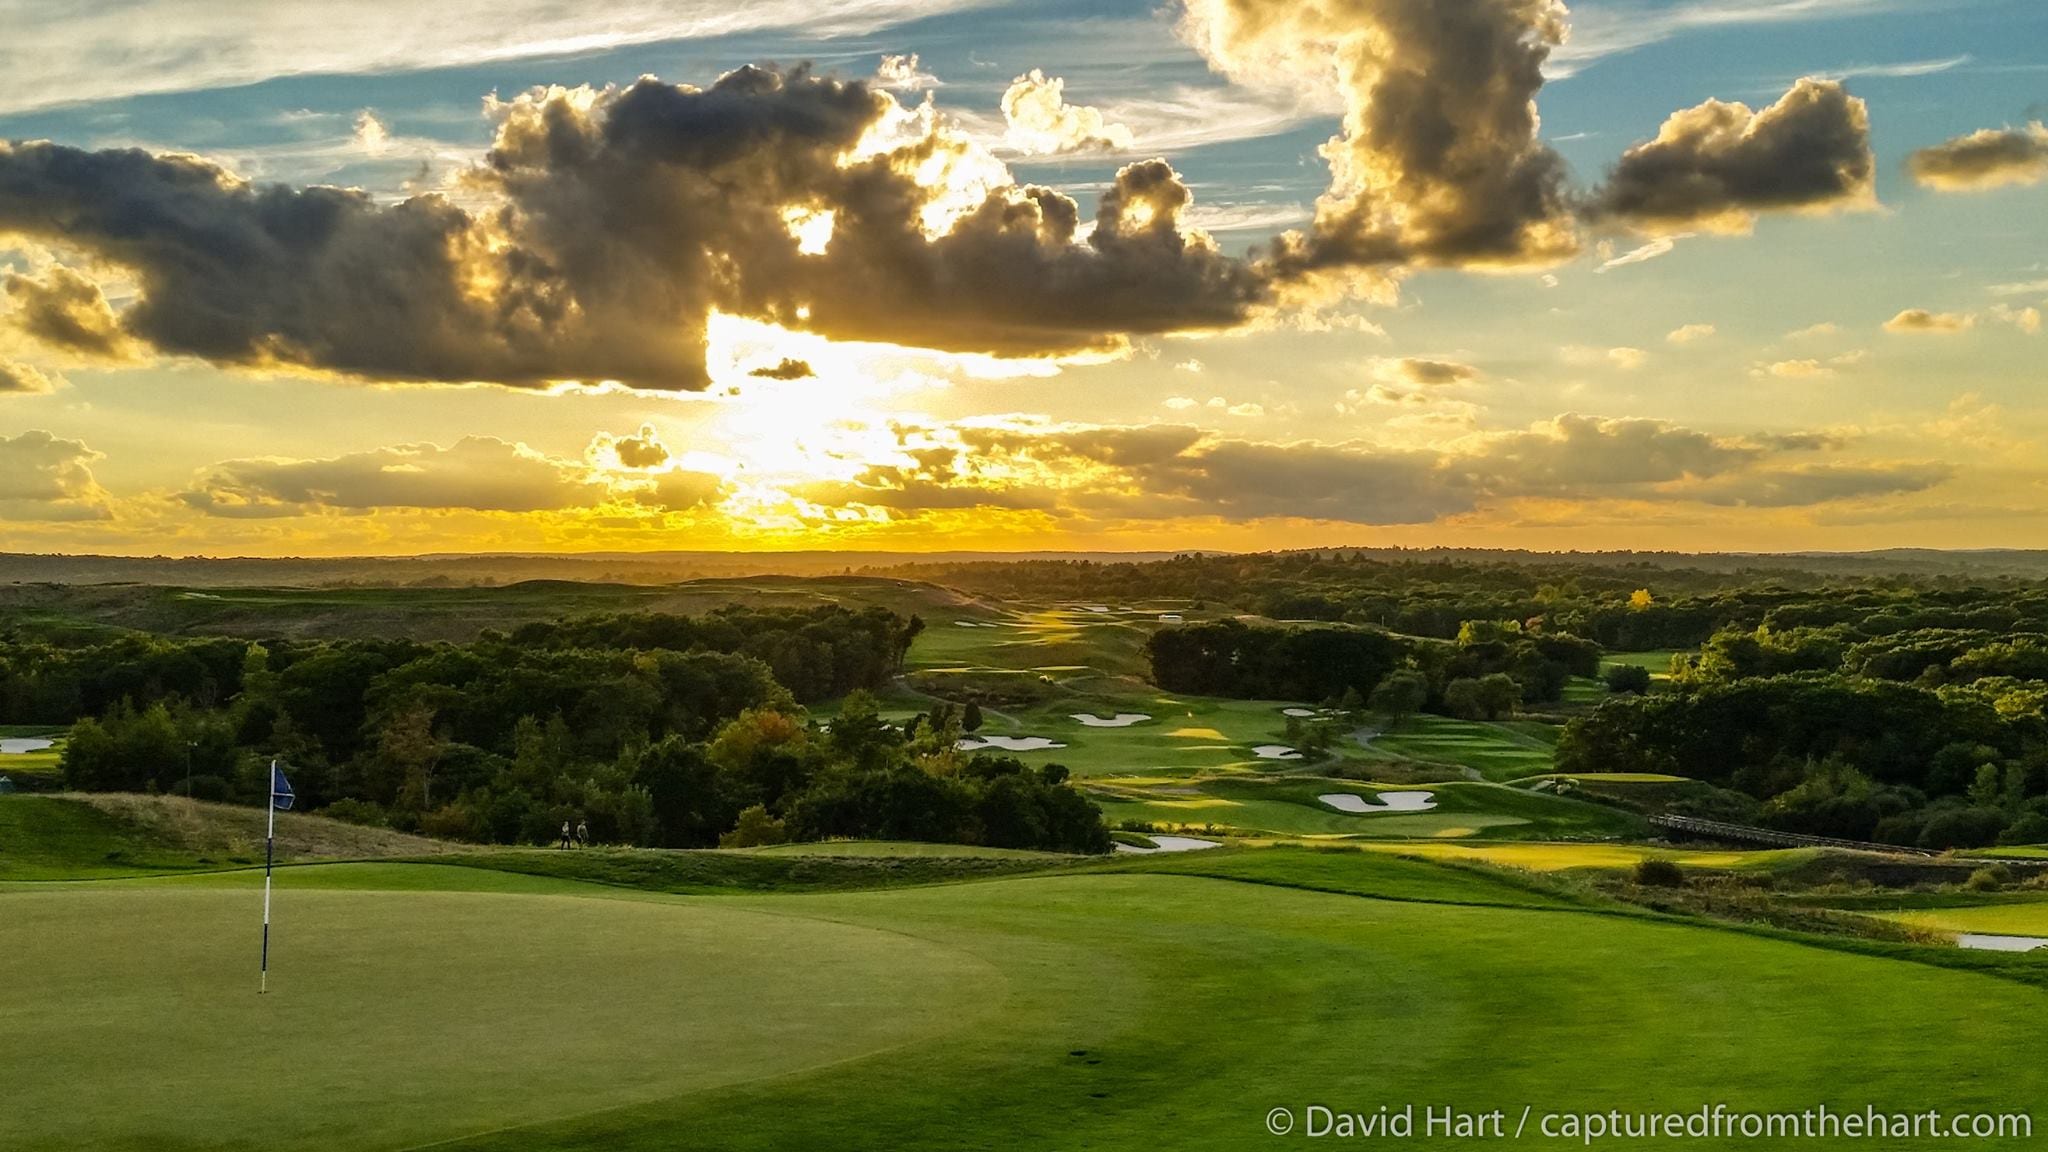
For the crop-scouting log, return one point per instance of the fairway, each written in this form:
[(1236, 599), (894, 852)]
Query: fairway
[(1148, 1006)]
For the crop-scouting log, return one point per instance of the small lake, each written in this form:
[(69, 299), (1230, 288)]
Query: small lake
[(21, 745)]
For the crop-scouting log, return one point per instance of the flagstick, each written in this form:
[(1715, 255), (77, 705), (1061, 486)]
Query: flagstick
[(269, 846)]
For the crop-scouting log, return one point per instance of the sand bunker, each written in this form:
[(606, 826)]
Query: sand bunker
[(1097, 608), (1171, 844), (974, 624), (1120, 720), (1008, 743), (1304, 713), (2000, 943), (1275, 752), (17, 745), (1169, 618), (1384, 802)]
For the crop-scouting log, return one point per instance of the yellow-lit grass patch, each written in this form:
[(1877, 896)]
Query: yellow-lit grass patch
[(1198, 734)]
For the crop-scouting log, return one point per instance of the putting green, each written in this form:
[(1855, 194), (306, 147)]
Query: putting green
[(1121, 1008), (131, 1018)]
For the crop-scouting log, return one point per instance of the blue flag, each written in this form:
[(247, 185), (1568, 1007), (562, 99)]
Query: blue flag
[(280, 790)]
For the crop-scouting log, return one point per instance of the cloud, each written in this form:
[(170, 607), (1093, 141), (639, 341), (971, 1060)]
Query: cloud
[(1934, 323), (1040, 122), (65, 311), (1161, 472), (1903, 70), (1421, 371), (1808, 368), (69, 53), (479, 473), (18, 379), (1808, 485), (1824, 328), (681, 490), (1716, 166), (371, 134), (1437, 161), (904, 74), (789, 368), (43, 477), (1987, 158), (1689, 333), (1661, 246), (1626, 359), (641, 450), (1613, 27), (615, 233)]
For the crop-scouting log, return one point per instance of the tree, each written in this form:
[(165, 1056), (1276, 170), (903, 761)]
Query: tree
[(1401, 694), (1628, 678), (1498, 694), (1462, 699), (970, 717), (755, 829), (1640, 599)]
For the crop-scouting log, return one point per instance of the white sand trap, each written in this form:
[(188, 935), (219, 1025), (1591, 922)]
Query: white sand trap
[(2000, 943), (1097, 608), (18, 745), (1120, 720), (1384, 802), (1008, 743), (1170, 844), (1169, 618), (1275, 752), (965, 624), (1304, 713)]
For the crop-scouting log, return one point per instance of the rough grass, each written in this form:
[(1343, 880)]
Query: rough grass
[(87, 834), (1290, 806)]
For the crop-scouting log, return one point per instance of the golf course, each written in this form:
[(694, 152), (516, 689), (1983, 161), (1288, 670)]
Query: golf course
[(1386, 910), (1172, 999)]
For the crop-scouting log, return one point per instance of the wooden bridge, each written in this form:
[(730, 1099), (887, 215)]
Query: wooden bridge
[(1771, 837)]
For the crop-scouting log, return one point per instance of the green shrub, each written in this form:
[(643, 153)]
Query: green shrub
[(1657, 873)]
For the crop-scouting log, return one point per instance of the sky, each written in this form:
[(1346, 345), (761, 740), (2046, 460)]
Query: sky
[(384, 278)]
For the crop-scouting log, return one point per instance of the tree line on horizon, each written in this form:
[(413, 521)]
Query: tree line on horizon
[(652, 729)]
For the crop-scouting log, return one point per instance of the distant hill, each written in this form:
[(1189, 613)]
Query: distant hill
[(457, 570)]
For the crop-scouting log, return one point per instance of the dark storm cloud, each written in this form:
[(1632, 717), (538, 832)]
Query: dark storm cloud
[(68, 312), (1984, 159), (1719, 164), (623, 219)]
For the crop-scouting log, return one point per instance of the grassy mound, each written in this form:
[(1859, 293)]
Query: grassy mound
[(78, 835)]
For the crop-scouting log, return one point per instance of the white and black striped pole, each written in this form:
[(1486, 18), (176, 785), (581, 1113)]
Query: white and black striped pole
[(280, 797)]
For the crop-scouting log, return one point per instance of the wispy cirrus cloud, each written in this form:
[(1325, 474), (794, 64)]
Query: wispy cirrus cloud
[(75, 53), (1600, 30)]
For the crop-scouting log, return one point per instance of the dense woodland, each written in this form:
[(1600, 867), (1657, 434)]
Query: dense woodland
[(662, 730), (1908, 710), (1636, 607)]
